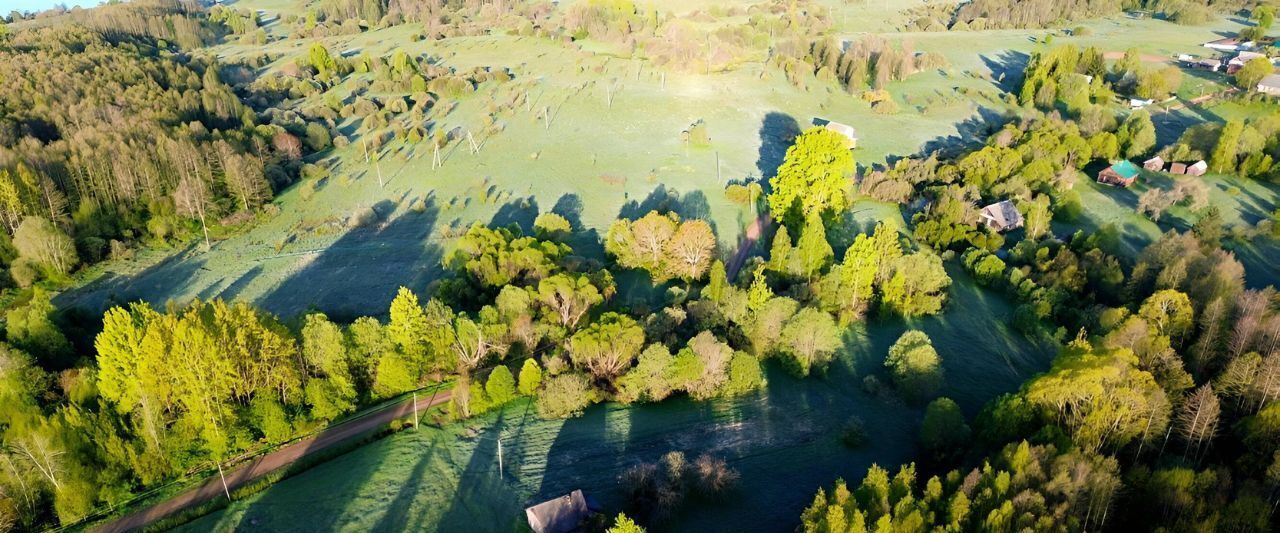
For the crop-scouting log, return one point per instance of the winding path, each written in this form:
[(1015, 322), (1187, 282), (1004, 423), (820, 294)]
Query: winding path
[(211, 489)]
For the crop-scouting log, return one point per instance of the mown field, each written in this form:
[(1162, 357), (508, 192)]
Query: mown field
[(596, 160), (784, 441)]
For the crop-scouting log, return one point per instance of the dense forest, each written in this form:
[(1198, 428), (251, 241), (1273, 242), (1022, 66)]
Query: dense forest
[(113, 138)]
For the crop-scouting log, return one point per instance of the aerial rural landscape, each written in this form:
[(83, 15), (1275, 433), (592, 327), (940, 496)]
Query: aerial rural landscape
[(640, 265)]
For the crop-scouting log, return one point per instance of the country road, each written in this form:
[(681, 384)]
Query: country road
[(212, 489)]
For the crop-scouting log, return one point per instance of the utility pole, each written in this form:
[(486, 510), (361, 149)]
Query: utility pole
[(500, 457), (415, 410), (546, 117), (225, 490), (717, 166), (474, 148)]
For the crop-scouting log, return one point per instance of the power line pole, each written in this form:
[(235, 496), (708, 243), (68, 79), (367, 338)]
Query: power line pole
[(500, 457), (415, 409)]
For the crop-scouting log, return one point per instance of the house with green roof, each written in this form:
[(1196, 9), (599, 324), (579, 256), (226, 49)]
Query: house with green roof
[(1121, 174)]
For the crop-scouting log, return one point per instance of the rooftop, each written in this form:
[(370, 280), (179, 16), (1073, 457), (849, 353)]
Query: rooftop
[(1125, 168)]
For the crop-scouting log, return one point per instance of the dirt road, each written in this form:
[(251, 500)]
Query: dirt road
[(211, 489), (753, 234)]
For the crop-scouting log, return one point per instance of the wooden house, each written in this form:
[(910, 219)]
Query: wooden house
[(1121, 174), (1178, 168), (564, 514), (1001, 216), (1155, 164), (1198, 168)]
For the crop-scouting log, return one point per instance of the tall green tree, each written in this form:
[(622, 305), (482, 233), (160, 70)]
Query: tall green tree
[(813, 178)]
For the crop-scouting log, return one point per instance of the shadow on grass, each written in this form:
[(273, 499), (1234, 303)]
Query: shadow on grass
[(157, 284), (358, 275)]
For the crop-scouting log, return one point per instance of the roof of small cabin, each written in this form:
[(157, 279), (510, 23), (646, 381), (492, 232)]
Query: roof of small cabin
[(1271, 80), (559, 515), (1003, 213), (843, 129), (1199, 165), (1156, 159), (1125, 168)]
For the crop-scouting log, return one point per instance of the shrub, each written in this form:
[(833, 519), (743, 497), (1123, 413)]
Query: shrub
[(362, 217), (853, 434), (530, 377), (915, 365), (565, 396), (501, 386), (745, 374)]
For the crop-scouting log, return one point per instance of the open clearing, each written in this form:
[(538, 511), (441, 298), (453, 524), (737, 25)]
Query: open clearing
[(594, 162)]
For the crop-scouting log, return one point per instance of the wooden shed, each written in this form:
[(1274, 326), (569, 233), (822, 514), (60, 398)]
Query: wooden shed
[(1121, 174), (847, 131), (564, 514), (1155, 164), (1198, 168), (1178, 168)]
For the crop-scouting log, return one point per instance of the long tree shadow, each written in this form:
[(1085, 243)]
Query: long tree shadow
[(777, 132), (1007, 68), (359, 274), (482, 494), (970, 132), (158, 284)]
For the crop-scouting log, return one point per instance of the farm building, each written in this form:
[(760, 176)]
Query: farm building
[(1178, 168), (1139, 103), (559, 515), (1197, 169), (1269, 84), (1121, 173), (1001, 216), (1210, 64), (1229, 45), (1155, 164), (846, 130), (1236, 63)]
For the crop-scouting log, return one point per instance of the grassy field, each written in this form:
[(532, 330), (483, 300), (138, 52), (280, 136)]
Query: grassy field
[(784, 441)]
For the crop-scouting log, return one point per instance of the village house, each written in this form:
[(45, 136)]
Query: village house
[(1155, 164), (1178, 168), (850, 134), (1229, 45), (1210, 64), (1269, 84), (1198, 169), (1236, 63), (1001, 216), (1121, 174), (564, 514)]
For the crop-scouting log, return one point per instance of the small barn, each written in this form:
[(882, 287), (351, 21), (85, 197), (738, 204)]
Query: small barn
[(1155, 164), (564, 514), (847, 131), (1229, 45), (1121, 174), (1178, 168), (1198, 168), (1270, 84), (1001, 216)]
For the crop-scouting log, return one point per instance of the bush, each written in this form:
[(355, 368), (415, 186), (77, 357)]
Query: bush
[(565, 396), (501, 386), (745, 374), (944, 429), (362, 217), (530, 377), (853, 434), (915, 365)]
